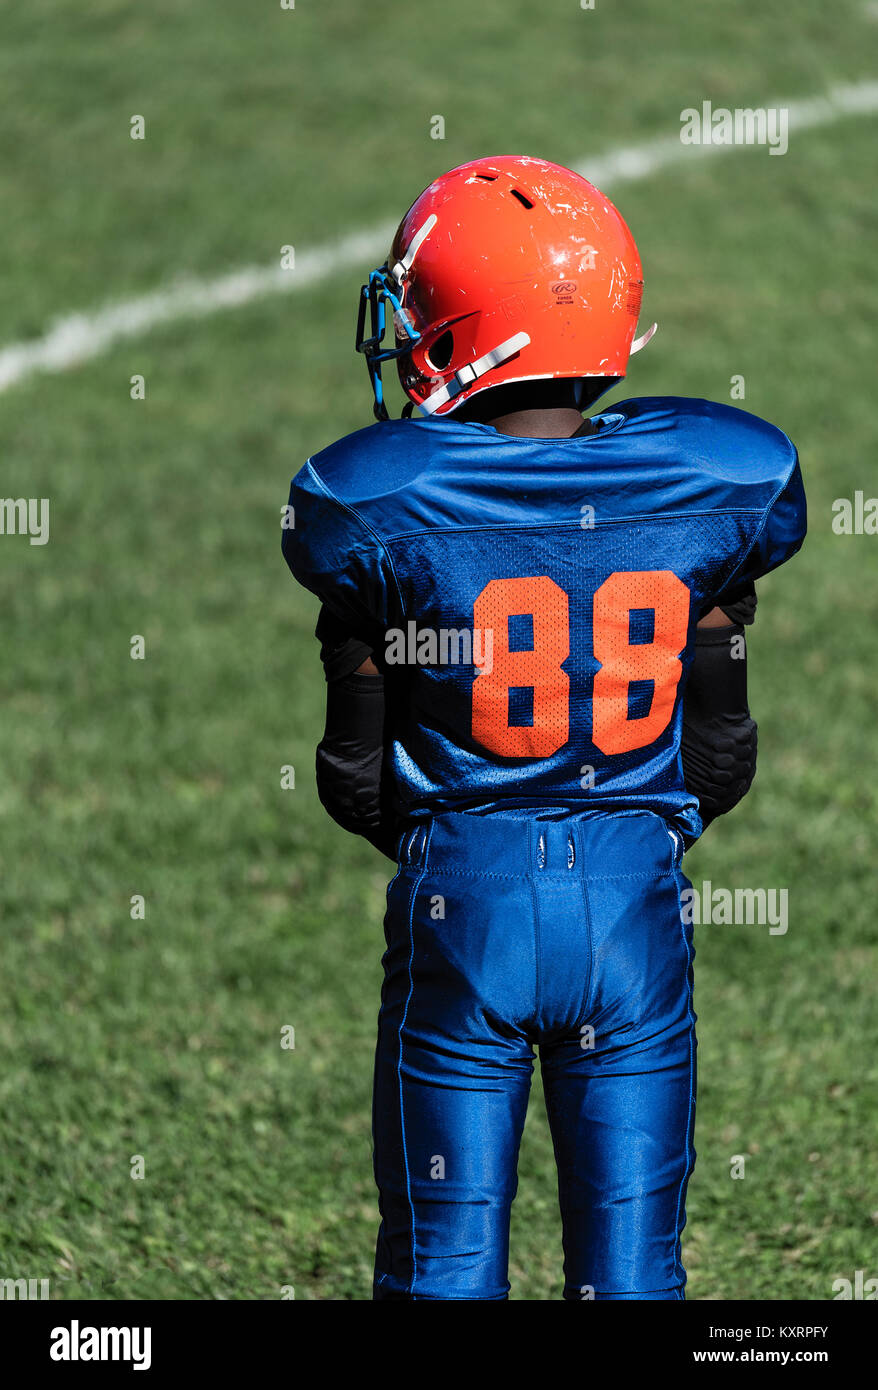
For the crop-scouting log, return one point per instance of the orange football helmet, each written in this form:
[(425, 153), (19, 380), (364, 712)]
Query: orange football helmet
[(505, 269)]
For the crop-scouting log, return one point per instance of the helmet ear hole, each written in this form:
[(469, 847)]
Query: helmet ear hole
[(442, 351)]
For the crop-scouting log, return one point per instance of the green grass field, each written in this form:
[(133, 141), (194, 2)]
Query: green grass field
[(161, 1037)]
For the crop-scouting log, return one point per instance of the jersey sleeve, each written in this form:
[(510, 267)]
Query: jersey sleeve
[(332, 551), (780, 533)]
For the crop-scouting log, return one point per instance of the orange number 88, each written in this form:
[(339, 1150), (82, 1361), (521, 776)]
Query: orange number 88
[(621, 662)]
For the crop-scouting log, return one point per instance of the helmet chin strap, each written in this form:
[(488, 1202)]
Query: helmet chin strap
[(642, 341), (471, 371)]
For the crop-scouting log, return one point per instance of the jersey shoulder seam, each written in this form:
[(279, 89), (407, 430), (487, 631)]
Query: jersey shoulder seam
[(574, 525)]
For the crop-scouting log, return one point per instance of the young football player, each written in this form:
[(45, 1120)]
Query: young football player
[(531, 629)]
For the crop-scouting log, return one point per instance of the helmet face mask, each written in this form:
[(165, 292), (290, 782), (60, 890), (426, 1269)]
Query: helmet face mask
[(379, 291), (503, 270)]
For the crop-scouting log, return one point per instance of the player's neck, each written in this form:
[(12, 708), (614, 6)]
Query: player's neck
[(558, 423)]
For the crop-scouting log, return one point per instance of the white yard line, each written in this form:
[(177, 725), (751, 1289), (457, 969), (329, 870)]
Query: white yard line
[(77, 338)]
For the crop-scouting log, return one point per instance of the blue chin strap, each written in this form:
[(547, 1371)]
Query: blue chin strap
[(381, 289)]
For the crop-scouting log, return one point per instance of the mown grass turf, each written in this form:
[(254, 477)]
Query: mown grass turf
[(161, 777)]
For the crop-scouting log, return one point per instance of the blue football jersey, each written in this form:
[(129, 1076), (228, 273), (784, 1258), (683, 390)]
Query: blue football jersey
[(536, 599)]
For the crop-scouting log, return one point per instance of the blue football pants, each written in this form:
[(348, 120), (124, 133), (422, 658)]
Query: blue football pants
[(501, 934)]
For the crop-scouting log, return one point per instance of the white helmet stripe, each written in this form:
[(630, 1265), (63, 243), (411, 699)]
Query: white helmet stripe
[(399, 270)]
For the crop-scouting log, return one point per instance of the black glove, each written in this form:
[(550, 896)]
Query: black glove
[(719, 737)]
